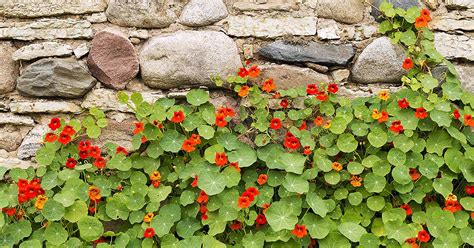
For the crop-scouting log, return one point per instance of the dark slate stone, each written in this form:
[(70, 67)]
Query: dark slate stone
[(405, 4), (314, 52)]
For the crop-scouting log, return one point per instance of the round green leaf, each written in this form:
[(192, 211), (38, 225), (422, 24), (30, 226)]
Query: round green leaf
[(347, 143), (376, 203), (53, 210), (90, 228), (197, 97), (374, 183), (172, 141), (396, 157), (55, 233), (76, 211), (352, 231), (211, 182), (279, 218), (377, 138)]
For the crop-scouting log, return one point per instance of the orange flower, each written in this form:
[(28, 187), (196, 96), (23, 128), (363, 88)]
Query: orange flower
[(376, 114), (414, 174), (221, 159), (50, 137), (412, 242), (262, 179), (265, 206), (244, 91), (468, 121), (148, 217), (356, 181), (319, 121), (396, 127), (40, 201), (337, 166), (421, 113), (203, 197), (426, 14), (196, 138), (139, 127), (307, 150), (194, 184), (268, 85), (254, 71), (384, 117), (322, 96), (407, 64), (384, 95), (178, 117), (94, 193), (299, 231), (327, 125), (421, 22), (221, 121), (226, 111), (235, 165), (243, 202), (188, 146)]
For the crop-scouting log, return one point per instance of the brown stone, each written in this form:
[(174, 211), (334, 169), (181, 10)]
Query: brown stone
[(8, 68), (287, 77), (11, 136), (120, 133), (112, 59)]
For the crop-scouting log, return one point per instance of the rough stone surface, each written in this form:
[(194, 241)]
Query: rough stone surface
[(286, 5), (120, 133), (312, 52), (9, 162), (43, 106), (106, 100), (187, 58), (328, 29), (32, 142), (458, 20), (287, 76), (379, 62), (144, 13), (22, 8), (460, 4), (112, 59), (46, 29), (97, 18), (203, 12), (10, 118), (243, 26), (53, 77), (11, 136), (81, 50), (42, 50), (8, 68), (340, 75), (466, 74), (345, 11), (455, 46), (405, 4)]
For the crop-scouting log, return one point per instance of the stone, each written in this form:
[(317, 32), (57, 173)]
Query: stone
[(10, 118), (314, 52), (452, 21), (340, 75), (106, 100), (244, 26), (32, 142), (42, 50), (317, 67), (455, 46), (81, 50), (252, 5), (139, 33), (404, 4), (28, 8), (379, 62), (459, 4), (143, 13), (199, 13), (248, 50), (432, 4), (97, 18), (345, 11), (8, 68), (328, 29), (43, 106), (54, 77), (188, 58), (112, 59), (10, 162), (466, 75), (286, 76), (46, 29), (120, 133), (11, 137)]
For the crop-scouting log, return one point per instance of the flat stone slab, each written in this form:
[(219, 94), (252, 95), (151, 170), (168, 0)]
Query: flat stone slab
[(29, 8), (43, 106), (46, 29), (287, 77), (455, 46), (42, 50), (245, 26)]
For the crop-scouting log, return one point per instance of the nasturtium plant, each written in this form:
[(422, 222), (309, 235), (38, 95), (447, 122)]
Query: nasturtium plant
[(300, 167)]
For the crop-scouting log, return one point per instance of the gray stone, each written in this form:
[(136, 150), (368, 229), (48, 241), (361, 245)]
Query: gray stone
[(10, 162), (8, 68), (81, 50), (455, 46), (252, 5), (317, 67), (32, 142), (379, 62), (312, 52), (11, 136), (28, 8), (106, 100), (97, 18), (328, 29), (140, 34), (53, 77), (43, 106), (466, 75), (42, 50), (46, 29), (452, 21), (404, 4), (244, 26), (143, 13), (287, 77), (112, 59), (188, 58), (460, 4), (340, 75), (203, 12), (10, 118), (345, 11)]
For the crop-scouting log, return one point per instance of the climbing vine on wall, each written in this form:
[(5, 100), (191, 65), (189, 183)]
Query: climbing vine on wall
[(290, 168)]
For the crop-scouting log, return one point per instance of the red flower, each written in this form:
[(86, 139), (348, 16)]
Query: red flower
[(262, 179), (203, 197), (275, 124), (204, 217), (236, 225), (83, 154), (196, 138), (425, 13), (84, 145), (221, 159), (94, 152), (396, 127), (322, 96), (121, 149), (299, 231), (235, 165), (178, 117), (249, 195), (50, 137), (203, 209), (9, 211), (220, 121), (421, 113), (407, 209), (253, 191), (55, 123), (407, 64), (261, 219), (312, 89), (22, 184), (452, 206), (243, 72), (412, 242), (319, 121), (64, 138), (403, 104), (384, 117), (307, 150), (243, 202), (149, 233), (292, 142), (284, 103), (139, 127), (226, 112), (468, 121), (194, 184), (456, 114), (414, 174), (470, 190), (69, 130), (100, 163), (254, 71), (333, 88), (268, 86), (188, 146), (303, 126), (423, 236), (71, 163)]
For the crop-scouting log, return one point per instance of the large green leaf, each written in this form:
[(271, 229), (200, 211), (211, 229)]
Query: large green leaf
[(438, 141), (172, 141), (292, 162), (352, 231), (377, 138), (53, 210), (55, 233), (245, 156), (347, 143), (317, 204), (212, 182), (279, 218), (295, 183), (90, 228), (197, 97)]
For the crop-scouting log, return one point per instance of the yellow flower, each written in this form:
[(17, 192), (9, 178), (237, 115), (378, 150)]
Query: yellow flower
[(94, 193), (327, 125), (155, 176), (451, 197), (337, 166), (40, 201), (384, 95), (148, 217), (376, 114)]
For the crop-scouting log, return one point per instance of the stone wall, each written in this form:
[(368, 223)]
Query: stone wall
[(61, 57)]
